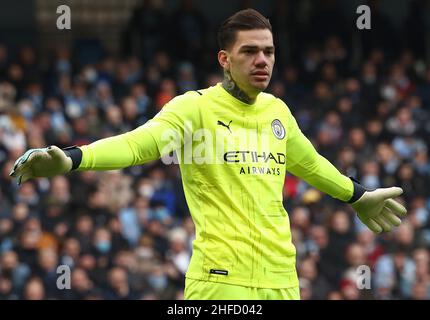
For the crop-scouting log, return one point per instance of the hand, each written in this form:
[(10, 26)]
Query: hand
[(378, 210), (42, 162)]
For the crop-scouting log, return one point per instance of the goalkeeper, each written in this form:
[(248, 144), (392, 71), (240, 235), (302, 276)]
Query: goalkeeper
[(243, 247)]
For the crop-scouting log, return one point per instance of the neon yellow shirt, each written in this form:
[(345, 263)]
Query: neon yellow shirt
[(233, 160)]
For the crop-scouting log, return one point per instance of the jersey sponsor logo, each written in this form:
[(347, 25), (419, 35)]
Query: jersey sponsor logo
[(260, 171), (220, 123), (217, 271), (278, 129), (253, 156)]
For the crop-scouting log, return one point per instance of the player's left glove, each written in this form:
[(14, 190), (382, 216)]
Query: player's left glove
[(378, 210)]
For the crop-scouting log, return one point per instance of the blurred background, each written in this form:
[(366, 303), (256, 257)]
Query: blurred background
[(361, 96)]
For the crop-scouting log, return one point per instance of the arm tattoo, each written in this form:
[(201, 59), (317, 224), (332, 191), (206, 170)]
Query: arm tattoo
[(231, 87)]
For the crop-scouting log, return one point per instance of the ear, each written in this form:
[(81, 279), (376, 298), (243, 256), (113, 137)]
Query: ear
[(223, 59)]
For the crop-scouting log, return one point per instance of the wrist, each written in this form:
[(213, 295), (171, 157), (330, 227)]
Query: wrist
[(358, 191), (75, 154)]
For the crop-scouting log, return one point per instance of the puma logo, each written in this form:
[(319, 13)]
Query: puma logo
[(225, 125)]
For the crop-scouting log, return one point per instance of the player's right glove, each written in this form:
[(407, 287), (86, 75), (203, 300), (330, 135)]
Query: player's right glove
[(42, 162), (378, 210)]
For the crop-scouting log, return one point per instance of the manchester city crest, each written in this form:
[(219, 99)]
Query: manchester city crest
[(278, 129)]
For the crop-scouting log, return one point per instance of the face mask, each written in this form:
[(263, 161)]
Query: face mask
[(146, 191), (73, 110), (161, 213), (158, 184), (370, 181), (103, 246), (158, 282), (142, 103), (27, 111), (90, 75), (63, 66), (389, 93)]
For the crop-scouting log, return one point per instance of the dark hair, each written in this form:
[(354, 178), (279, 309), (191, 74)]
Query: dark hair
[(248, 19)]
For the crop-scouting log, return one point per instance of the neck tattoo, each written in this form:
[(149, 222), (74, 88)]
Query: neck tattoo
[(231, 87)]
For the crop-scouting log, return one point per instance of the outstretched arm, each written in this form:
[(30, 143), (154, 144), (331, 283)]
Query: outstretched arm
[(160, 135), (377, 209)]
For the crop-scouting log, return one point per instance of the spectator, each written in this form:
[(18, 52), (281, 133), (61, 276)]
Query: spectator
[(118, 285), (317, 284), (34, 290)]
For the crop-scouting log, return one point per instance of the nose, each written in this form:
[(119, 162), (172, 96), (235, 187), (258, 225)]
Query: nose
[(260, 59)]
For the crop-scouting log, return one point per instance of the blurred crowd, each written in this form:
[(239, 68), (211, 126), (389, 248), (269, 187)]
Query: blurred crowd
[(127, 234)]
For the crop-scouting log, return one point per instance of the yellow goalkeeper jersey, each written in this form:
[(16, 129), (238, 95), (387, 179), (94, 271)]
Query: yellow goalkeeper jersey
[(233, 158)]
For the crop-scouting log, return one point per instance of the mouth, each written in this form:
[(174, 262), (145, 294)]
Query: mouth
[(260, 73)]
